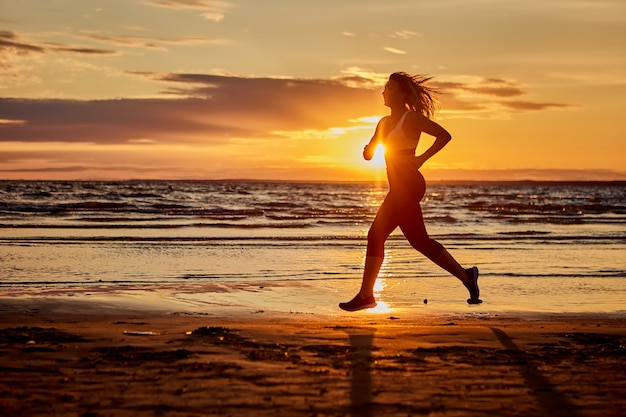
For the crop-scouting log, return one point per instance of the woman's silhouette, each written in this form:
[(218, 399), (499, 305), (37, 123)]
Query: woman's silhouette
[(412, 104)]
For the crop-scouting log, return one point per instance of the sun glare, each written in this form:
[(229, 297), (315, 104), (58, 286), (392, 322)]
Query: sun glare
[(382, 306), (379, 156)]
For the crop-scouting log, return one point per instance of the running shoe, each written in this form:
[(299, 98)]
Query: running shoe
[(358, 303), (472, 285)]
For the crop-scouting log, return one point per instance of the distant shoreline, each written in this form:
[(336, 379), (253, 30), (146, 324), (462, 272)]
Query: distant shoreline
[(582, 183), (616, 183)]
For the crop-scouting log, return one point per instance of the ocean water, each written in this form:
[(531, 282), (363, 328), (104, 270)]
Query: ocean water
[(299, 247)]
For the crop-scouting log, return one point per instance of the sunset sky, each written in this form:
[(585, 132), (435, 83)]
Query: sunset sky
[(269, 89)]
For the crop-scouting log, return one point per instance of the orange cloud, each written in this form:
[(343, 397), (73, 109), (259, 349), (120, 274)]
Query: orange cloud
[(11, 43), (526, 105), (219, 108), (153, 42), (489, 98), (203, 107), (211, 9)]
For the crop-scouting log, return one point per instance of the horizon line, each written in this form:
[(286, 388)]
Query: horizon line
[(311, 181)]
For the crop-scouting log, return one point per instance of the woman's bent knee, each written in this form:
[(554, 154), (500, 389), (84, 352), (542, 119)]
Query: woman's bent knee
[(428, 247)]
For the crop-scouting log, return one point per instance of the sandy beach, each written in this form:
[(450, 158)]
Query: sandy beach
[(80, 357)]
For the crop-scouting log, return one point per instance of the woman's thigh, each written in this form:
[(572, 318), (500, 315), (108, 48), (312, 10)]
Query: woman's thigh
[(412, 223), (414, 229)]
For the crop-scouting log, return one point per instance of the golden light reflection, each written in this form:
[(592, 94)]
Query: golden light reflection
[(379, 156), (381, 307), (380, 285)]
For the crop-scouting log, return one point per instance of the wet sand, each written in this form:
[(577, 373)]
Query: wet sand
[(90, 359)]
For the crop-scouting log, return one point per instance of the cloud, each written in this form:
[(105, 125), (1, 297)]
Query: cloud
[(49, 169), (394, 50), (9, 121), (403, 34), (361, 78), (15, 48), (211, 9), (88, 51), (13, 44), (68, 169), (526, 105), (203, 108), (152, 42), (124, 41), (476, 97), (110, 121), (10, 42), (483, 86)]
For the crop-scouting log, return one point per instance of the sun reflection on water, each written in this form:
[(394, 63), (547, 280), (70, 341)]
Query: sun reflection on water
[(381, 307)]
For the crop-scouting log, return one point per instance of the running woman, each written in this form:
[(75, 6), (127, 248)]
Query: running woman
[(412, 105)]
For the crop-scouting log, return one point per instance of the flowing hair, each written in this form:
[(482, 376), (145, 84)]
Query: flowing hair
[(418, 96)]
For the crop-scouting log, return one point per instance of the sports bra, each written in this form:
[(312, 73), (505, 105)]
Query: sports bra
[(396, 140)]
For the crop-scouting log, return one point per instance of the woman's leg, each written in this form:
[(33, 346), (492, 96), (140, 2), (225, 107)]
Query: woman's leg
[(384, 223), (412, 225), (370, 274)]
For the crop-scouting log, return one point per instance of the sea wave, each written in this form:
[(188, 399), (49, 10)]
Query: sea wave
[(323, 239), (298, 206)]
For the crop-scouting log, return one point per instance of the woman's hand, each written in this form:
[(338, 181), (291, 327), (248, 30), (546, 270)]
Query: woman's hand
[(368, 152)]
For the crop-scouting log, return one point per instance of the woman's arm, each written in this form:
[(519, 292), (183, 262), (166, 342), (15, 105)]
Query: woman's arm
[(370, 148), (419, 123)]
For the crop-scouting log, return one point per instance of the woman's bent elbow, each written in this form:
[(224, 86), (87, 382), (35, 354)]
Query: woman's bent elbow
[(445, 138)]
